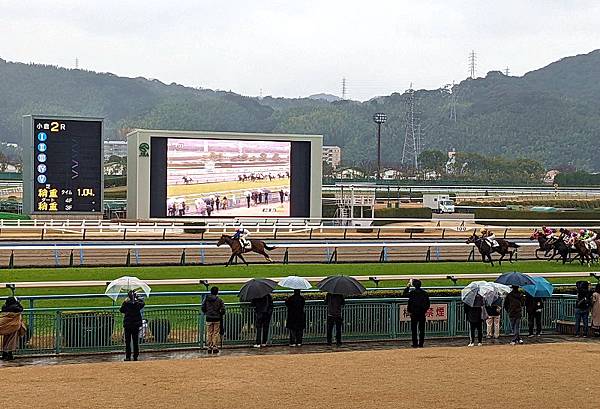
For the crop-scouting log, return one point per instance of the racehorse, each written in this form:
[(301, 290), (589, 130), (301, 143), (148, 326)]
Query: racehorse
[(486, 249), (546, 244), (258, 246), (585, 253)]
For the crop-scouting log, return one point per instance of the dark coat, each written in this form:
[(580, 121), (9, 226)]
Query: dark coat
[(584, 299), (296, 317), (12, 305), (132, 311), (214, 308), (495, 309), (334, 302), (418, 302), (532, 304), (513, 304), (473, 314), (263, 305)]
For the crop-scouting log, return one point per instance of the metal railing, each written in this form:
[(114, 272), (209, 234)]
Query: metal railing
[(99, 329)]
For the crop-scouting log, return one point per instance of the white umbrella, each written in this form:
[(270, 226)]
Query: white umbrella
[(295, 283), (126, 283)]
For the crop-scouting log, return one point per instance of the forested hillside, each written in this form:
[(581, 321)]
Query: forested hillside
[(551, 114)]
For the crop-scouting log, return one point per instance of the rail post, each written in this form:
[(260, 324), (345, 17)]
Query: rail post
[(56, 258), (136, 254), (43, 232), (164, 235), (81, 259), (124, 233), (128, 260), (378, 232), (286, 256), (310, 234), (71, 259), (443, 233), (58, 332), (83, 236), (11, 261), (202, 255), (383, 255), (345, 231), (182, 260), (428, 255), (275, 234)]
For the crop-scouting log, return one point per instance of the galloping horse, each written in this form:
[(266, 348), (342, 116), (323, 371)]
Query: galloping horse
[(546, 244), (258, 246), (486, 249)]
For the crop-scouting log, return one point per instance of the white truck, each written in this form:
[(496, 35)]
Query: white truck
[(438, 203)]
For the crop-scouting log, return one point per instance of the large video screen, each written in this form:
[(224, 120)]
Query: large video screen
[(228, 178)]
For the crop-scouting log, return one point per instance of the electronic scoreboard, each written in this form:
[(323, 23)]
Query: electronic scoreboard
[(62, 165)]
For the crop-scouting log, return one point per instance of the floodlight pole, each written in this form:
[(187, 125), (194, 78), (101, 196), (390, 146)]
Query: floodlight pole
[(379, 118)]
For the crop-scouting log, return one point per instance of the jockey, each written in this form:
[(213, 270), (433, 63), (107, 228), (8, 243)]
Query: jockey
[(588, 237), (241, 233), (489, 236), (548, 232)]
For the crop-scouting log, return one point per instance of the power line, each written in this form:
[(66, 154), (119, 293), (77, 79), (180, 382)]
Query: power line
[(413, 142), (507, 71), (344, 88)]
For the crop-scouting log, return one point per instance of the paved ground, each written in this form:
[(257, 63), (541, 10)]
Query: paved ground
[(540, 375)]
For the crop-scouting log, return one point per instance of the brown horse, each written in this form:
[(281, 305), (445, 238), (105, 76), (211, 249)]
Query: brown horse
[(237, 250), (486, 250)]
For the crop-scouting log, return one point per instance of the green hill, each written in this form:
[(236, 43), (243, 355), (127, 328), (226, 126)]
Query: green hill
[(551, 114)]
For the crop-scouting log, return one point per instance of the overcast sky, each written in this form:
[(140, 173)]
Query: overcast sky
[(298, 48)]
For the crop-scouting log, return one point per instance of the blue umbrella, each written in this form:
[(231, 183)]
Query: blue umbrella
[(515, 278), (541, 289)]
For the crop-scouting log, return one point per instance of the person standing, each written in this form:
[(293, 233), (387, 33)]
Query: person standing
[(132, 322), (263, 310), (214, 309), (11, 327), (582, 308), (534, 306), (474, 317), (596, 309), (418, 305), (296, 318), (334, 302), (513, 304), (493, 320)]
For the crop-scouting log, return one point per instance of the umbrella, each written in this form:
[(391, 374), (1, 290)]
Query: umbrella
[(542, 288), (126, 283), (485, 290), (343, 285), (515, 278), (295, 283), (256, 288)]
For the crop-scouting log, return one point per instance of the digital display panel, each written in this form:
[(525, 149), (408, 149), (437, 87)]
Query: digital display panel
[(67, 166), (228, 178)]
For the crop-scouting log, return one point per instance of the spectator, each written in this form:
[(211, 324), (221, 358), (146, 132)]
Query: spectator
[(296, 319), (493, 320), (225, 203), (596, 309), (418, 305), (214, 309), (218, 203), (11, 327), (533, 306), (248, 197), (582, 307), (281, 196), (334, 302), (263, 310), (513, 304), (474, 317), (209, 209), (132, 322)]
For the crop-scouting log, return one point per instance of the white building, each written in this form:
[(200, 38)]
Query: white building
[(115, 148), (332, 155)]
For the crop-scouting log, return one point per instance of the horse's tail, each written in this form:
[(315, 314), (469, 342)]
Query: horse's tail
[(513, 245), (267, 247)]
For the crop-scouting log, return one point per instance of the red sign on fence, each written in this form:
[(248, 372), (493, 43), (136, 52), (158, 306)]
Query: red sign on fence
[(437, 312)]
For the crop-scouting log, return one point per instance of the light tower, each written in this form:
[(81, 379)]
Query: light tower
[(412, 136), (379, 118)]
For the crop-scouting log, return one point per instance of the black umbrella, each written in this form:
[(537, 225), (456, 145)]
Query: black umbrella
[(256, 288), (343, 285), (515, 278)]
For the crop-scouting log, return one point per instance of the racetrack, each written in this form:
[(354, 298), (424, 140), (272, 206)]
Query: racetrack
[(500, 376)]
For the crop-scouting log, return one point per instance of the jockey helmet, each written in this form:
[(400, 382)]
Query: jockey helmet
[(582, 231)]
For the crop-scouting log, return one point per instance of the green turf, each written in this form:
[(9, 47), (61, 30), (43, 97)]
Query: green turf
[(199, 188), (271, 270)]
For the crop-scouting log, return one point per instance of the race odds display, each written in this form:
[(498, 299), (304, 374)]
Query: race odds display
[(66, 165), (228, 178)]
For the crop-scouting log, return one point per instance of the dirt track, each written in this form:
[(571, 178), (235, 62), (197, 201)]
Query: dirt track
[(529, 376)]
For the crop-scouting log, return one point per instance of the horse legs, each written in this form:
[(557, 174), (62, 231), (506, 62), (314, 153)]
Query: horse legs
[(230, 260), (243, 259), (501, 258), (265, 255)]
